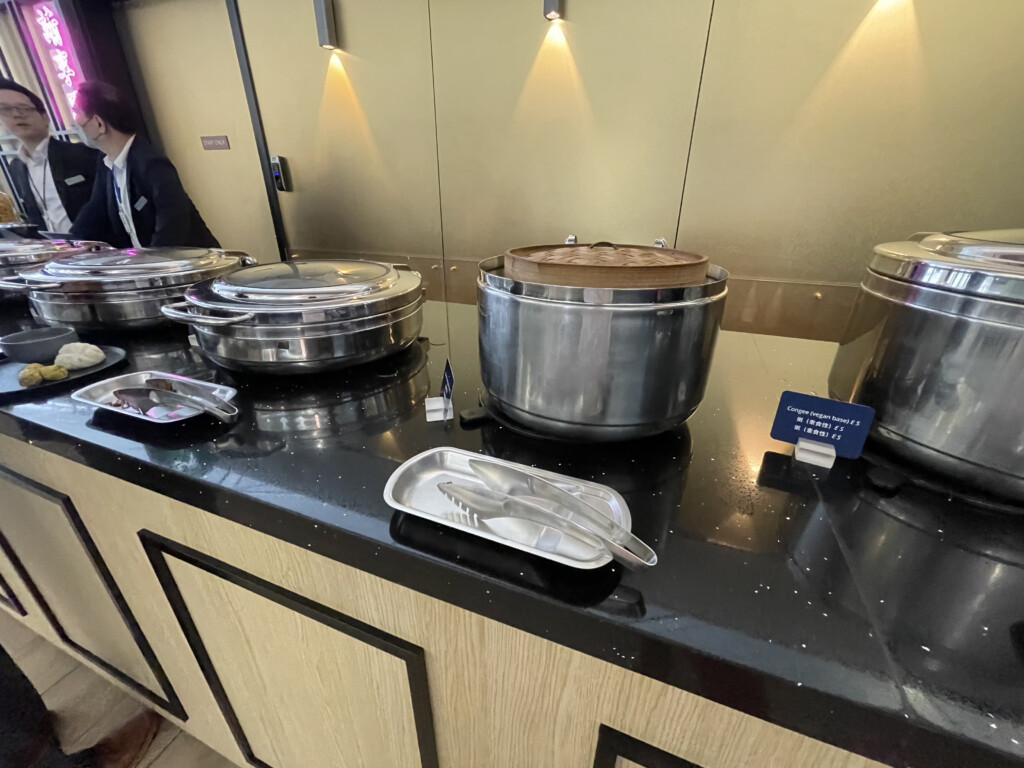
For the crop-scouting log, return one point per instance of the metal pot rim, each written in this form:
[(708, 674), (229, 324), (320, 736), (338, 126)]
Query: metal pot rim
[(929, 298), (967, 263), (405, 291), (67, 273), (492, 276)]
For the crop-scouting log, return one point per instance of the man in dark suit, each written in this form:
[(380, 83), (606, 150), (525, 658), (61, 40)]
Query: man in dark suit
[(53, 179), (137, 200)]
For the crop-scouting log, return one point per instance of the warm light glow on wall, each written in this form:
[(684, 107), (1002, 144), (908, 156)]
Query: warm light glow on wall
[(341, 113), (884, 52), (554, 88)]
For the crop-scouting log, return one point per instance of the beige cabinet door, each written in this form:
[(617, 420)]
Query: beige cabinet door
[(301, 685), (50, 557)]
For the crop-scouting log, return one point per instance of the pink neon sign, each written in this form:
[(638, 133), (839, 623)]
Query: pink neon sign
[(59, 48)]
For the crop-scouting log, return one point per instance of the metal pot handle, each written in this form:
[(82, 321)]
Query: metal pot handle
[(604, 242), (174, 312), (20, 285)]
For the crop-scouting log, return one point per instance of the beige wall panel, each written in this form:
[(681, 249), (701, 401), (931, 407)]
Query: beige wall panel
[(546, 129), (306, 695), (356, 126), (501, 698), (827, 127), (184, 61)]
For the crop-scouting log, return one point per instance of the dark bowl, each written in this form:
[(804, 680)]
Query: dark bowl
[(39, 345)]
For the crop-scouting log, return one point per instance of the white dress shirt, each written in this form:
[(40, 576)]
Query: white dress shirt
[(40, 178), (119, 168)]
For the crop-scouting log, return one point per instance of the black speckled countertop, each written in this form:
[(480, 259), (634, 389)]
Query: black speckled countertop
[(850, 605)]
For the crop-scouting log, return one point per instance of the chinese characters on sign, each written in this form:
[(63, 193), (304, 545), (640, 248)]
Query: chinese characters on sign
[(842, 425), (59, 49)]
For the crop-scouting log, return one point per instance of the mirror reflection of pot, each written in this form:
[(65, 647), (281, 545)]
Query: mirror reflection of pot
[(316, 410), (941, 583), (161, 350), (594, 587), (649, 473)]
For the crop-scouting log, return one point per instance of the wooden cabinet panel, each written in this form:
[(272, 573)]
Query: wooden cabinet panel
[(301, 685), (500, 697), (8, 597), (54, 557)]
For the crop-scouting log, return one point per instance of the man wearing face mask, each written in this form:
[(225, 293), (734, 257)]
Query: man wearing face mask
[(137, 200), (53, 179)]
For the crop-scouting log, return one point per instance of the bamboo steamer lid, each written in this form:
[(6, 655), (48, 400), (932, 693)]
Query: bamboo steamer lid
[(605, 265)]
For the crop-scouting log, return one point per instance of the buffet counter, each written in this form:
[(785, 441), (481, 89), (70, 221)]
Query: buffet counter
[(250, 582)]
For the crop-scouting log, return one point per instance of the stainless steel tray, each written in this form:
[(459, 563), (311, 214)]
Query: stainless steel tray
[(101, 395), (413, 488)]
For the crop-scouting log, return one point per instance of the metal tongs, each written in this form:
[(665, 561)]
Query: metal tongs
[(505, 516), (173, 393), (621, 543), (544, 502)]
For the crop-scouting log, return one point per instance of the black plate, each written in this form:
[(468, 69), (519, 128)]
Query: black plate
[(10, 390)]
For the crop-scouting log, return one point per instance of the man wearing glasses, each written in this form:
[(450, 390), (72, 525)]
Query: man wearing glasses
[(53, 179)]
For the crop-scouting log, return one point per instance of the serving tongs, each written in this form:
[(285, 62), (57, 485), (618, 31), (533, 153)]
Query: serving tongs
[(625, 547), (520, 520), (172, 393)]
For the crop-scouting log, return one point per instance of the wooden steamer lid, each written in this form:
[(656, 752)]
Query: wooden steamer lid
[(605, 265)]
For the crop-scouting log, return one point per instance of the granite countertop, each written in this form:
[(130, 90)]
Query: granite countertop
[(850, 606)]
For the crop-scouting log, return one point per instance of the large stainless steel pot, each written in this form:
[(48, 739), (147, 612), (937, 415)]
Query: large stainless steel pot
[(122, 289), (597, 363), (304, 316), (935, 345)]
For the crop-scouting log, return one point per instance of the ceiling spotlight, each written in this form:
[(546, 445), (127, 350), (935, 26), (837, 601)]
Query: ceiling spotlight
[(552, 9), (326, 31)]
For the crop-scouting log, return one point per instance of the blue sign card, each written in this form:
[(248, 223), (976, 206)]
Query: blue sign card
[(844, 425), (447, 381)]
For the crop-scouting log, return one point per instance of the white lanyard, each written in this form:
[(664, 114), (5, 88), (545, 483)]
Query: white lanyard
[(41, 196), (123, 208)]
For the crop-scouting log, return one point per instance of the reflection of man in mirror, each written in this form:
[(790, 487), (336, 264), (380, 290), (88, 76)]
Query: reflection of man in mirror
[(53, 179), (138, 199)]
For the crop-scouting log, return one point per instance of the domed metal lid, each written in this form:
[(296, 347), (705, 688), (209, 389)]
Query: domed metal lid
[(137, 268), (296, 281), (345, 288), (988, 264), (19, 252)]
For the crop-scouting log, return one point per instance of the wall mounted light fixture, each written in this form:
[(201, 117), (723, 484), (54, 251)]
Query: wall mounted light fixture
[(552, 9), (326, 31)]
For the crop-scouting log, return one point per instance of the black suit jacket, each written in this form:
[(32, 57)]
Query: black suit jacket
[(163, 213), (73, 167)]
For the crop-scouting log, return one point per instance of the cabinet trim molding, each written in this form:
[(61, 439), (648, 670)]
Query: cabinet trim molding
[(9, 598), (169, 701), (613, 744), (159, 549)]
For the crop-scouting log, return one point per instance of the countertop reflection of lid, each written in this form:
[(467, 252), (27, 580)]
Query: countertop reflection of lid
[(347, 288), (988, 264)]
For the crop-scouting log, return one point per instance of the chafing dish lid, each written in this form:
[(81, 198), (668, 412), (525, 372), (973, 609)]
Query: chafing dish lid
[(347, 287), (136, 268), (16, 252), (988, 263)]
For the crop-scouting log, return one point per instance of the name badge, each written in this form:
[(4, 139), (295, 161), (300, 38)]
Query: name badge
[(74, 180), (843, 425), (140, 203)]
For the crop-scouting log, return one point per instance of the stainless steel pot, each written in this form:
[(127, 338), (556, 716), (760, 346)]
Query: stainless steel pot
[(304, 316), (935, 344), (597, 363), (125, 289)]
